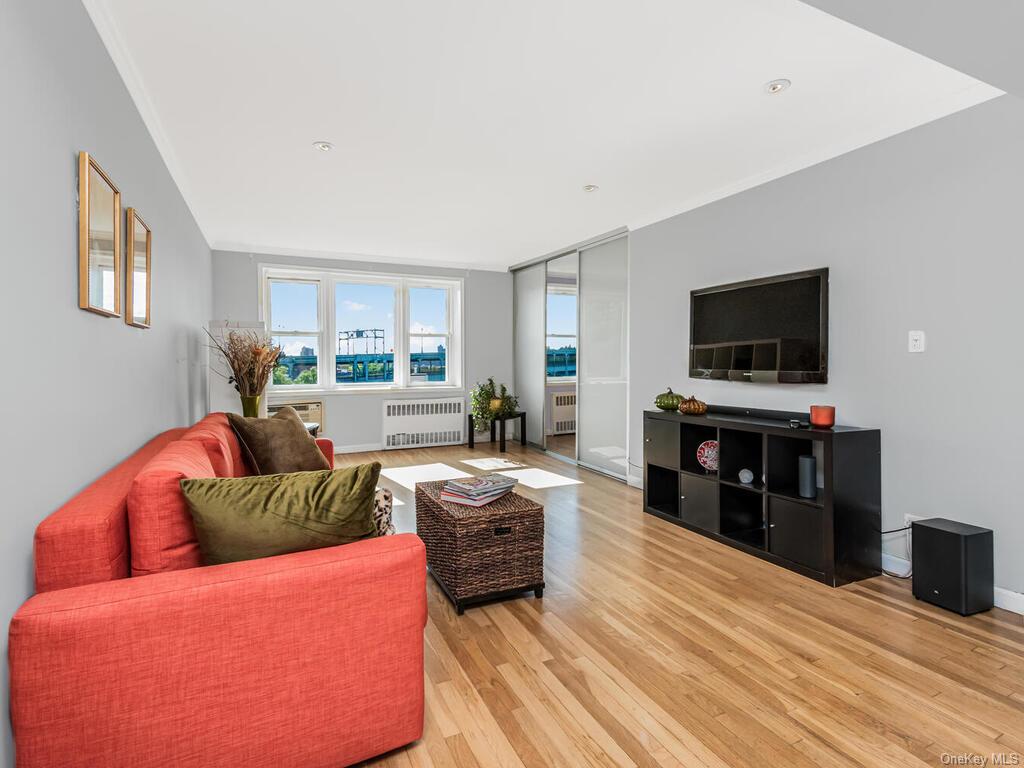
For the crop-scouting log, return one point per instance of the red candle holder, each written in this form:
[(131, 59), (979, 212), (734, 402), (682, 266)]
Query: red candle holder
[(823, 416)]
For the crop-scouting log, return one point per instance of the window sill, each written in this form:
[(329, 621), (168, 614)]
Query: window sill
[(278, 395)]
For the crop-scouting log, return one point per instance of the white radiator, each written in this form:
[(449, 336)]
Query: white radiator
[(421, 423), (563, 413)]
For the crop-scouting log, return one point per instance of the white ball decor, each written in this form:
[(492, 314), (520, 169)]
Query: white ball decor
[(746, 476)]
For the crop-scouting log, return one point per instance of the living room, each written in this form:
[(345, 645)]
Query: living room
[(529, 277)]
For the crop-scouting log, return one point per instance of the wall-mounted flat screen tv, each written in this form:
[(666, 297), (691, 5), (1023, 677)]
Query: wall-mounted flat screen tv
[(774, 329)]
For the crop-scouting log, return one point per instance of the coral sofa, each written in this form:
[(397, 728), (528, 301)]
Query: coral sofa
[(310, 659)]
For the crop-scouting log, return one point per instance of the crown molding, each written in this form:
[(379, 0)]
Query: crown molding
[(110, 35), (269, 252)]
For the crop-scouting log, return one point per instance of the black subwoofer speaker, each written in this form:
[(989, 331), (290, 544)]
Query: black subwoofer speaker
[(952, 565)]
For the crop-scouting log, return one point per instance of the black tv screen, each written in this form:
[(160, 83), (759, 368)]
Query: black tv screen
[(774, 329)]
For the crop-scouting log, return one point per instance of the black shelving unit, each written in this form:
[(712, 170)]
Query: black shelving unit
[(834, 538)]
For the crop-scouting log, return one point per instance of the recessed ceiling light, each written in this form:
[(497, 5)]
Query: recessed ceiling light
[(590, 188), (323, 146), (777, 86)]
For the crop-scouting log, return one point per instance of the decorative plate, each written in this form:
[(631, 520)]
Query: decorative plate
[(707, 455)]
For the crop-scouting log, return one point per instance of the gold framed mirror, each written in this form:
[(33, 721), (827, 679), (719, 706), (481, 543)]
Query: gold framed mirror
[(99, 240), (138, 285)]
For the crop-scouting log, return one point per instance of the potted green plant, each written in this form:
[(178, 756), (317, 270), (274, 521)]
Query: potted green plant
[(489, 401)]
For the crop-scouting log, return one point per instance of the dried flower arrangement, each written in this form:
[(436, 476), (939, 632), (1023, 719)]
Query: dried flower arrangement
[(251, 357)]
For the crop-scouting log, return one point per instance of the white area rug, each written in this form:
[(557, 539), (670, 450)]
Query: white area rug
[(492, 464), (540, 478), (407, 477)]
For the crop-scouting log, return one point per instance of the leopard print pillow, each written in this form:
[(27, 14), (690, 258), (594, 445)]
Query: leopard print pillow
[(382, 512)]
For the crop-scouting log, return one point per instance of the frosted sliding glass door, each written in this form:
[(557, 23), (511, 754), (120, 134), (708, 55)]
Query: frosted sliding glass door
[(529, 327), (602, 369)]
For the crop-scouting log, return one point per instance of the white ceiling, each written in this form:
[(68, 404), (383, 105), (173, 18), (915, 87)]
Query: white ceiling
[(464, 130)]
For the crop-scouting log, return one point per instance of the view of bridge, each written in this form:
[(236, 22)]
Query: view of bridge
[(365, 368), (369, 368), (373, 365), (361, 359), (561, 362)]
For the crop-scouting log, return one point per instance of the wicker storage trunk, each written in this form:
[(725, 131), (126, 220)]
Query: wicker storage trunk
[(481, 553)]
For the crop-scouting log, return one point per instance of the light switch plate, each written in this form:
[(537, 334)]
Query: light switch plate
[(915, 341)]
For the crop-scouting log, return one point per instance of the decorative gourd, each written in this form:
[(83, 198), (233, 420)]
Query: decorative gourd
[(668, 401), (691, 406)]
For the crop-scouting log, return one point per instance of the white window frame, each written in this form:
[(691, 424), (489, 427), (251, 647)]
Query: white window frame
[(448, 335), (316, 333), (562, 290), (327, 281)]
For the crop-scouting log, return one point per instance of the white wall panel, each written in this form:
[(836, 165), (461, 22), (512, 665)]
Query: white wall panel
[(602, 361), (530, 296)]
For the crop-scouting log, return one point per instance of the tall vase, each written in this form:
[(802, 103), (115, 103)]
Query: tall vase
[(251, 406)]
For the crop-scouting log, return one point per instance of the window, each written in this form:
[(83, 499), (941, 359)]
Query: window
[(365, 332), (428, 335), (384, 331), (295, 327), (561, 333)]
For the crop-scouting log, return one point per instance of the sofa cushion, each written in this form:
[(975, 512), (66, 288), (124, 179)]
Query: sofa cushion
[(278, 444), (311, 659), (216, 435), (245, 518), (86, 540), (160, 527)]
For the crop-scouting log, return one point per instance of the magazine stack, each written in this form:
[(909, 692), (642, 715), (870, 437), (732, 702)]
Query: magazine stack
[(477, 491)]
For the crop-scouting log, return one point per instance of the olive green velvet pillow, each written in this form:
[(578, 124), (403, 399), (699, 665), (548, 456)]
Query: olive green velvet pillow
[(244, 518)]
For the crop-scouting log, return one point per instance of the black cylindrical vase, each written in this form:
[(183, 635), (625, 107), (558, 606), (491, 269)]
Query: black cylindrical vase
[(808, 487)]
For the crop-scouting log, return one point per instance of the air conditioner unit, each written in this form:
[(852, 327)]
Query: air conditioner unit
[(563, 413), (310, 411), (421, 423)]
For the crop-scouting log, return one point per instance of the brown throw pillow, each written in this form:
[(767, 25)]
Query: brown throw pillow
[(278, 444), (243, 518)]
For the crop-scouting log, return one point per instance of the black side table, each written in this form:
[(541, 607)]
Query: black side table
[(521, 415)]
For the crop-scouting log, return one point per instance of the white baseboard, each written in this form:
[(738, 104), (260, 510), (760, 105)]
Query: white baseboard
[(635, 477), (363, 448), (1009, 600), (1006, 599)]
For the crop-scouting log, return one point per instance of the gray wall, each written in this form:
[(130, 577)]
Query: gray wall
[(921, 231), (981, 39), (354, 419), (80, 391)]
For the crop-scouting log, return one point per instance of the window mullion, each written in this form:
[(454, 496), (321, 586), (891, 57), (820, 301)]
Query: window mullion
[(402, 346), (327, 335)]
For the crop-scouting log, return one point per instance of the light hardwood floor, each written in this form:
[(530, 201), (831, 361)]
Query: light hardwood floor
[(653, 646), (563, 444)]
